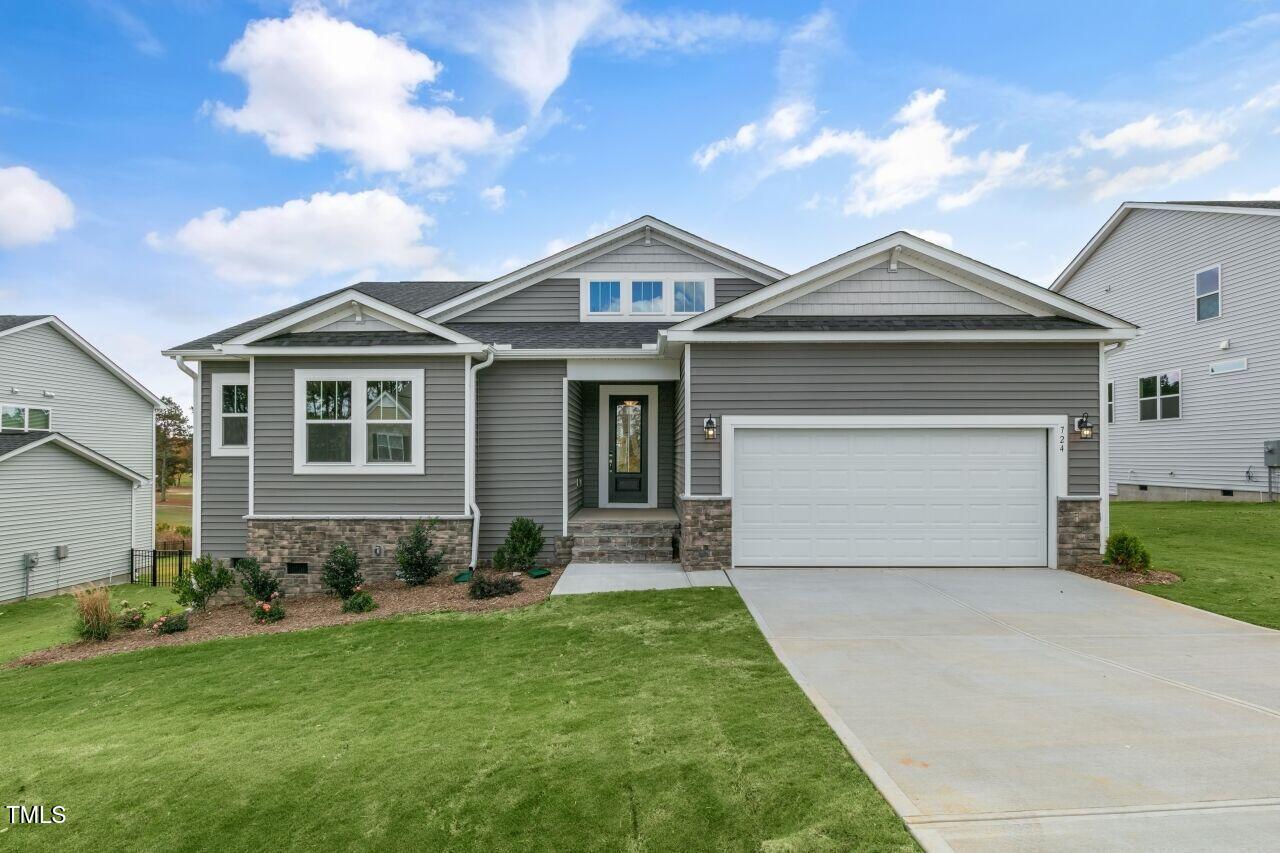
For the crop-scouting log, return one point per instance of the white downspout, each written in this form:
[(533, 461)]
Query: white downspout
[(195, 454), (470, 448)]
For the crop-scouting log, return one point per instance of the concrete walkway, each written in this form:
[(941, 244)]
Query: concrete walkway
[(1037, 710), (617, 577)]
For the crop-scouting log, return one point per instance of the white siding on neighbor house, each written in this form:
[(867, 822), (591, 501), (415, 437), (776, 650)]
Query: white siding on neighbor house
[(50, 497), (1145, 273), (90, 404), (876, 291), (657, 257)]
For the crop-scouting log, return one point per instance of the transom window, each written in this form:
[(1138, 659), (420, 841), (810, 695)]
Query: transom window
[(1160, 396), (358, 421), (229, 399), (652, 297), (25, 419), (1208, 293)]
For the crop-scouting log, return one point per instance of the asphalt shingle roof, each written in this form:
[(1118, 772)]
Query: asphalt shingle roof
[(9, 321), (11, 441), (1265, 205), (563, 335), (412, 296), (352, 339), (897, 323)]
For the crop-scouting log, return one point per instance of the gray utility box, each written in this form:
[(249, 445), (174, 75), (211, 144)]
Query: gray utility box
[(1271, 453)]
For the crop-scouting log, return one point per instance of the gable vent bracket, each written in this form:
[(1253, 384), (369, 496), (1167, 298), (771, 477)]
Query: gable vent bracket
[(359, 318), (893, 259), (648, 239)]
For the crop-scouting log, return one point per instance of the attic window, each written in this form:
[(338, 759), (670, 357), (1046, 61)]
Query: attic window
[(645, 297)]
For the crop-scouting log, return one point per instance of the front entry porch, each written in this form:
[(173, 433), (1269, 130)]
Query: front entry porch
[(613, 535)]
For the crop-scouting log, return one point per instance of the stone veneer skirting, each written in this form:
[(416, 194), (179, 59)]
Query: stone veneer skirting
[(1079, 532), (276, 542), (706, 533)]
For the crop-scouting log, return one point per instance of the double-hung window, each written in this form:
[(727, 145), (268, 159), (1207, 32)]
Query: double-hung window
[(229, 432), (1111, 402), (25, 419), (366, 421), (1160, 396), (1208, 293)]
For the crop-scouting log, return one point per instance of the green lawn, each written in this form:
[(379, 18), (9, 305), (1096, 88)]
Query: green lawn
[(42, 622), (629, 721), (173, 514), (1228, 554)]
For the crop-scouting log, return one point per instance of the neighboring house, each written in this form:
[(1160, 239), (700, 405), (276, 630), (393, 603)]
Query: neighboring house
[(77, 459), (647, 392), (1194, 397)]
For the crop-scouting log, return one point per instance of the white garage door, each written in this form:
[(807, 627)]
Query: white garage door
[(889, 497)]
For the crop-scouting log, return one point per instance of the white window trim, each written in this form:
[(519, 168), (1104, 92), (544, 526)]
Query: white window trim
[(651, 392), (358, 464), (1243, 362), (1159, 409), (1195, 309), (1056, 451), (625, 281), (26, 417), (220, 380), (1110, 402)]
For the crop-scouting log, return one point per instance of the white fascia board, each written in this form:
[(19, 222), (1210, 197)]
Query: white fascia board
[(93, 352), (949, 335), (1121, 212), (241, 350), (79, 450), (346, 297), (585, 251), (505, 354)]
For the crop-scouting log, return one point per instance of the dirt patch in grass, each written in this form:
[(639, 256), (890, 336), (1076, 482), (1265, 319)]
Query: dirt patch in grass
[(302, 612), (1133, 580)]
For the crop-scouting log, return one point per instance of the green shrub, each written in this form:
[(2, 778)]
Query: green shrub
[(1125, 551), (519, 552), (132, 618), (94, 619), (183, 530), (418, 561), (493, 585), (204, 578), (172, 623), (342, 572), (359, 602), (271, 610), (258, 585)]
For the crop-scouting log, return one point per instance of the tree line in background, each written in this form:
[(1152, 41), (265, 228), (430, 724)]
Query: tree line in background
[(173, 446)]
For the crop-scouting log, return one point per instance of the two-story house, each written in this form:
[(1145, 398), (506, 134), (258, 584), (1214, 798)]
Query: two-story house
[(77, 459), (650, 395), (1191, 400)]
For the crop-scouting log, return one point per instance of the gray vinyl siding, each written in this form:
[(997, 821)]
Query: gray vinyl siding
[(575, 473), (876, 291), (1145, 273), (666, 442), (550, 301), (894, 379), (729, 289), (591, 444), (519, 411), (51, 497), (658, 257), (224, 480), (90, 404), (677, 438), (439, 491)]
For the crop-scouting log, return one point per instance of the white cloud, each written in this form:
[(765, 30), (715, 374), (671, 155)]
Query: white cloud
[(316, 82), (495, 196), (327, 234), (1272, 194), (32, 210), (1139, 178), (910, 164), (942, 238), (1181, 130), (633, 33)]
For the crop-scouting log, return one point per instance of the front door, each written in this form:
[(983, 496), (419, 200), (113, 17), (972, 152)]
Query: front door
[(628, 449)]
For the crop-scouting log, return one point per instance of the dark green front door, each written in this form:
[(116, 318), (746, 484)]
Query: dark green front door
[(628, 449)]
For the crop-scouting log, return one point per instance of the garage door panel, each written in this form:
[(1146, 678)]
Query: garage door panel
[(849, 497)]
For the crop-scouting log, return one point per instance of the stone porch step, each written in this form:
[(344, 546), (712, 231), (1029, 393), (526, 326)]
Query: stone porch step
[(624, 541)]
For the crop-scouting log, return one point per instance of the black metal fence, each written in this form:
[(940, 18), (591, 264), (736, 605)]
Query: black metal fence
[(158, 568)]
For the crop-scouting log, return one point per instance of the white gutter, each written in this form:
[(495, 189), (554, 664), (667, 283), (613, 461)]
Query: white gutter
[(469, 445), (195, 454)]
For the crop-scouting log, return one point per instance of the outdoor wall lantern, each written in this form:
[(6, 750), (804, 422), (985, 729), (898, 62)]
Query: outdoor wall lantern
[(1084, 427), (710, 429)]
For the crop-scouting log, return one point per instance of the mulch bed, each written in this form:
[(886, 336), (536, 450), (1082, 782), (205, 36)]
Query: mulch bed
[(1133, 580), (303, 612)]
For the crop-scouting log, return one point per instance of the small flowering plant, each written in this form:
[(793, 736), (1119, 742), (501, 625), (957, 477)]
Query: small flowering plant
[(261, 592), (271, 610), (132, 618), (172, 623)]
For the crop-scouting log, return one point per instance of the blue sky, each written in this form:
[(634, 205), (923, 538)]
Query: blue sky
[(169, 167)]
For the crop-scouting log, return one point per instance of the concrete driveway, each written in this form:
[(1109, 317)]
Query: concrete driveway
[(1037, 710)]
